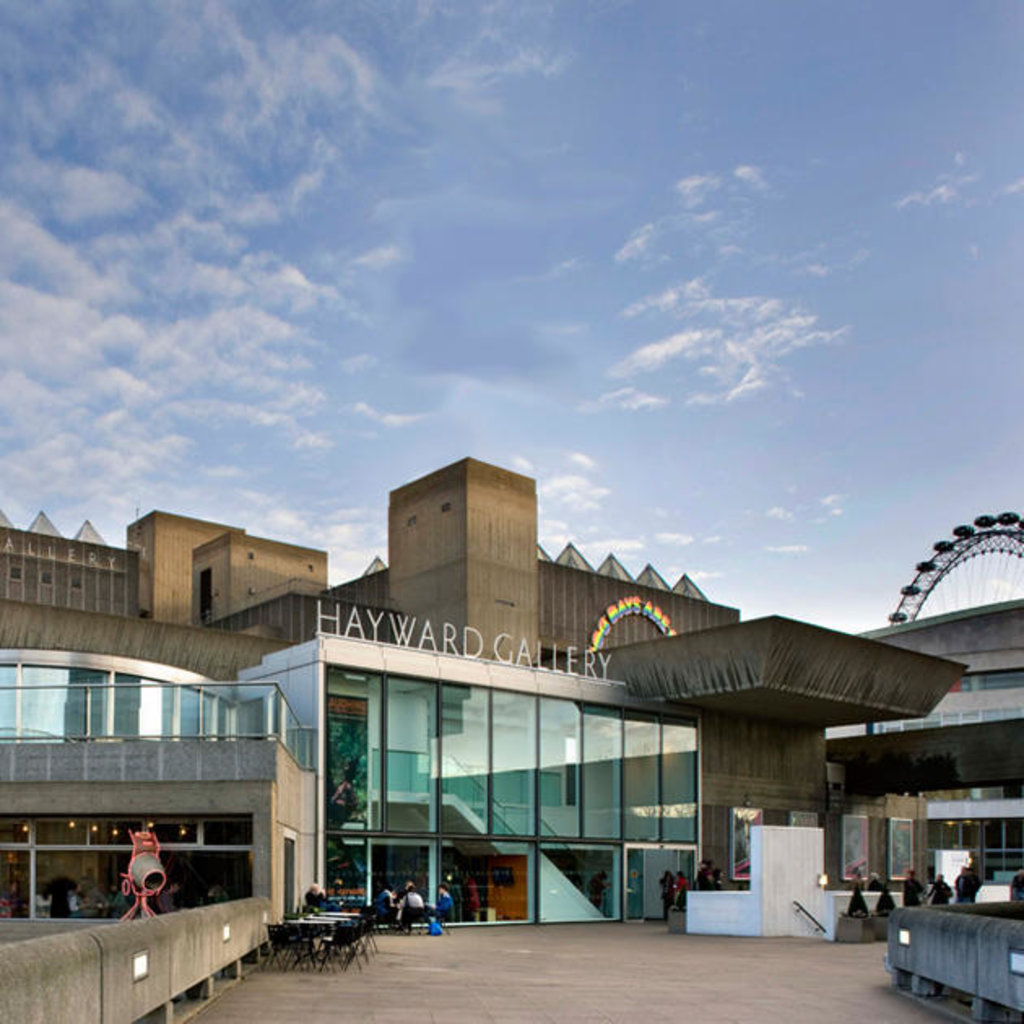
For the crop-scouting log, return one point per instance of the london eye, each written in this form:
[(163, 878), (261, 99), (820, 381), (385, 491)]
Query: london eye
[(993, 536)]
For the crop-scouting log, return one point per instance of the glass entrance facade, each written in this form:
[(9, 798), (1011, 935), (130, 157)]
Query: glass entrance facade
[(519, 802)]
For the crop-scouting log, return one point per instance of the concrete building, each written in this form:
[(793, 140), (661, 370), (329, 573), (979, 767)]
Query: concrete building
[(547, 737), (40, 566), (966, 756), (192, 571)]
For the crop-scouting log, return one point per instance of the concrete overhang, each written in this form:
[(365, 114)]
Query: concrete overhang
[(777, 668)]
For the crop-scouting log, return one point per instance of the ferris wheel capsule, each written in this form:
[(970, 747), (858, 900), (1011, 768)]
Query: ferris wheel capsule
[(965, 530), (985, 522), (1008, 518)]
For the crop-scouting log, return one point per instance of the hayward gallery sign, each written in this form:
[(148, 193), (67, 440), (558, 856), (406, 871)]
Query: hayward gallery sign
[(417, 634)]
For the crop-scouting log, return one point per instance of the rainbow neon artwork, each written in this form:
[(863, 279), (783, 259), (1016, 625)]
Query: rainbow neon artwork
[(629, 606)]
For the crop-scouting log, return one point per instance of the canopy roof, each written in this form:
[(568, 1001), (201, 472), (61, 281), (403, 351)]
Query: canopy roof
[(780, 669)]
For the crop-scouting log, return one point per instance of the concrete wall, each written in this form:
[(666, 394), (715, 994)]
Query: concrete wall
[(210, 653), (462, 548), (785, 865), (83, 977), (256, 778)]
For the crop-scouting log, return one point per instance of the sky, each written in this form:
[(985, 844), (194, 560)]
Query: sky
[(739, 284)]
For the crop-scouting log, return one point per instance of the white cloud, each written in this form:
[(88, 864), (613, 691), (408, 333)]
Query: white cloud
[(750, 175), (582, 460), (699, 575), (381, 258), (627, 399), (779, 513), (386, 419), (637, 244), (789, 549), (1015, 188), (739, 343), (712, 540), (473, 83), (948, 188), (574, 491), (696, 188), (679, 539)]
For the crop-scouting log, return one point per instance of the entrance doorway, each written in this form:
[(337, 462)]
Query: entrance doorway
[(645, 866)]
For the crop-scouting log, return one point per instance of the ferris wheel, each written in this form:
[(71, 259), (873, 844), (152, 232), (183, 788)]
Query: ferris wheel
[(998, 538)]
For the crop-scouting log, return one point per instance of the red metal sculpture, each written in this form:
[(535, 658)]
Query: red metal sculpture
[(145, 876)]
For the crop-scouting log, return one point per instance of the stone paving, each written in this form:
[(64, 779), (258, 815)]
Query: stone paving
[(582, 973)]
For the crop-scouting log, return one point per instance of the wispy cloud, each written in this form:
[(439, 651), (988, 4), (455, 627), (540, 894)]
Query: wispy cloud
[(696, 188), (1015, 188), (778, 512), (637, 244), (381, 258), (628, 399), (788, 549), (574, 491), (386, 419), (751, 176), (739, 343), (678, 539), (948, 188)]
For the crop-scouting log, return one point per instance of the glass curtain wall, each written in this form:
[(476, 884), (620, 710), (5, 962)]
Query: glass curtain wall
[(641, 777), (411, 755), (465, 758), (602, 769), (352, 761), (579, 882), (515, 763), (489, 881), (8, 702), (559, 768), (679, 781)]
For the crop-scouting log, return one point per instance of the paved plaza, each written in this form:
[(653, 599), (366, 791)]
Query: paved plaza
[(583, 973)]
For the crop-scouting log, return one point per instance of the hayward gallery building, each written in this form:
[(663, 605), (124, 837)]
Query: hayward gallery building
[(545, 737)]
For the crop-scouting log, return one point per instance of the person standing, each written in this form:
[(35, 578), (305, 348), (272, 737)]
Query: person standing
[(668, 893), (912, 890), (967, 884), (940, 893), (1017, 887)]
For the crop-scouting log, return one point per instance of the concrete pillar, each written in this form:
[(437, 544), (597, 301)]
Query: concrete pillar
[(983, 1010), (901, 979), (163, 1014), (204, 990), (925, 987), (233, 970)]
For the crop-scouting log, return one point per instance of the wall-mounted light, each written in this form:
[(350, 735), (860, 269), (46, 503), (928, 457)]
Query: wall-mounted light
[(140, 965), (227, 932), (904, 937), (822, 881), (1017, 961)]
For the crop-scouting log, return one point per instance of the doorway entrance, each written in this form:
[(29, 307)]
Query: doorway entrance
[(645, 866)]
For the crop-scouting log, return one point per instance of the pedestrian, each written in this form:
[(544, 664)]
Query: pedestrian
[(940, 893), (912, 890), (967, 884), (668, 893), (1017, 887)]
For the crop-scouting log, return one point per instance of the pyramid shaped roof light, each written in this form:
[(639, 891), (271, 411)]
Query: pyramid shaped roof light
[(650, 577), (42, 525), (5, 523), (688, 588), (613, 568), (542, 555), (88, 534), (377, 565), (571, 558)]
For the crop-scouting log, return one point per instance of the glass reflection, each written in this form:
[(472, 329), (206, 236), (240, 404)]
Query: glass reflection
[(578, 883), (559, 767), (679, 781), (602, 764), (410, 756), (464, 758), (489, 881), (641, 778), (515, 763)]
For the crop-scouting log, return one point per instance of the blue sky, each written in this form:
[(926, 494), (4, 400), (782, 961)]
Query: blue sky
[(739, 284)]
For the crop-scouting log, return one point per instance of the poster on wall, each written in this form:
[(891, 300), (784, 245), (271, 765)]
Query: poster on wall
[(743, 819), (346, 761), (803, 819), (855, 846), (901, 847)]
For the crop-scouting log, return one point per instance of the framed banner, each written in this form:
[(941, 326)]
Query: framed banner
[(855, 846), (743, 819), (901, 847), (803, 819)]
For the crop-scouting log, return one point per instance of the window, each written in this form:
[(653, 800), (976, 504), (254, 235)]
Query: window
[(15, 572), (353, 750), (464, 758), (46, 576), (515, 762), (411, 521), (410, 755), (559, 767), (602, 764), (76, 582), (446, 507)]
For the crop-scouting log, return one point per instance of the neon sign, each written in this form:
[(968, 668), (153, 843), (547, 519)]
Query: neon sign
[(629, 606)]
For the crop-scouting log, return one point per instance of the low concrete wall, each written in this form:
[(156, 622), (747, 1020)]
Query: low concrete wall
[(837, 901), (86, 976), (723, 913), (965, 947)]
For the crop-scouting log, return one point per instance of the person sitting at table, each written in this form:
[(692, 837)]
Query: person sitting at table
[(386, 906), (411, 908), (315, 896), (442, 909)]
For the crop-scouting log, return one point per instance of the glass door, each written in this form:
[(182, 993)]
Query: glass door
[(645, 868)]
